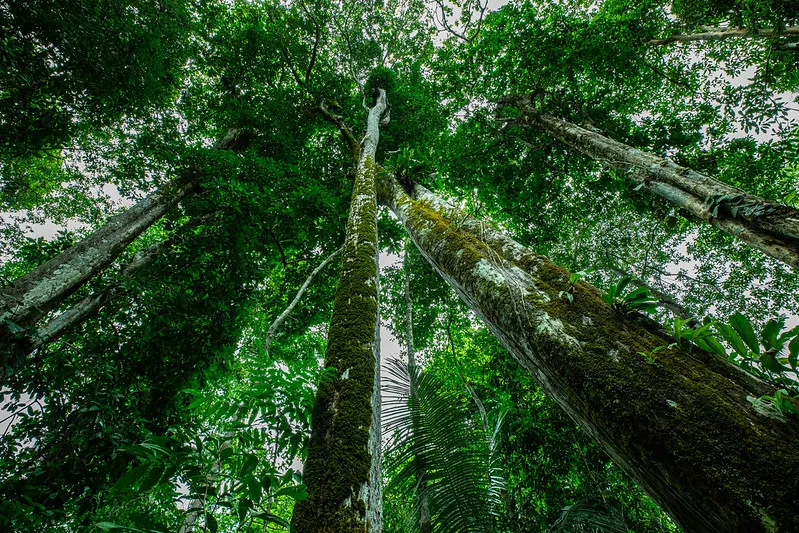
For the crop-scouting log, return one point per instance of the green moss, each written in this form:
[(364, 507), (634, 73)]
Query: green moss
[(338, 457), (683, 427)]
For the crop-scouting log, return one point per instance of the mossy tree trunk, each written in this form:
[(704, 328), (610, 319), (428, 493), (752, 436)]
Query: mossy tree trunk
[(720, 34), (769, 227), (30, 297), (685, 426), (338, 471)]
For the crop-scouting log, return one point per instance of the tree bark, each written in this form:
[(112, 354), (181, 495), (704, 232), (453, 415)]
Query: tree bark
[(338, 470), (31, 296), (720, 34), (57, 327), (769, 227), (686, 427), (293, 305), (422, 500)]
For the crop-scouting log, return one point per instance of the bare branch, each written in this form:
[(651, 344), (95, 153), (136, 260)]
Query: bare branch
[(285, 314)]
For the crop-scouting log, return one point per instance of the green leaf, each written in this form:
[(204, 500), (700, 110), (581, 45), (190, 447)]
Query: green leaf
[(253, 487), (270, 518), (296, 492), (152, 478), (745, 330), (769, 360), (249, 465), (769, 333), (108, 525), (210, 523), (793, 352), (729, 335), (712, 345)]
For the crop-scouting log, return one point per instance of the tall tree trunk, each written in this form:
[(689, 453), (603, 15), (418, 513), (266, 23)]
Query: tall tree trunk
[(31, 296), (422, 501), (769, 227), (719, 34), (686, 427), (338, 467)]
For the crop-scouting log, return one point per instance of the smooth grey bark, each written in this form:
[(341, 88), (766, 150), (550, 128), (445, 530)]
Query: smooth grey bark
[(30, 297), (720, 34), (687, 427), (422, 500), (278, 323), (343, 493), (775, 232)]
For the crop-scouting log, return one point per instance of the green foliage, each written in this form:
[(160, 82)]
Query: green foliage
[(436, 454), (593, 515), (635, 300), (765, 354), (69, 65), (380, 78)]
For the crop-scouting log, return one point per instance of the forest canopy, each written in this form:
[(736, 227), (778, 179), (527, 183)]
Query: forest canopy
[(399, 265)]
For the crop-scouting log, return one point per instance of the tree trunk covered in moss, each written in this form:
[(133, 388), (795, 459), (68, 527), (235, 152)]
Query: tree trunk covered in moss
[(337, 470), (769, 227), (31, 296), (720, 34), (685, 427)]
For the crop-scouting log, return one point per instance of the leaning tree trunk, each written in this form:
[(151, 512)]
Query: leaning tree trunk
[(30, 297), (422, 500), (686, 427), (338, 470), (720, 34), (89, 306), (769, 227)]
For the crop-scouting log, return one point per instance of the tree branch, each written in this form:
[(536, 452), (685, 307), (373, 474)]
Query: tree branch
[(285, 314), (346, 132)]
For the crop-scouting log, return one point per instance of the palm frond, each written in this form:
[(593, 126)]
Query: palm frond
[(589, 516), (439, 451)]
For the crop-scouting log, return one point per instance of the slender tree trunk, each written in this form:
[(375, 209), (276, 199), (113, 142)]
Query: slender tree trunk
[(769, 227), (719, 34), (686, 427), (30, 297), (422, 501), (276, 325), (338, 470)]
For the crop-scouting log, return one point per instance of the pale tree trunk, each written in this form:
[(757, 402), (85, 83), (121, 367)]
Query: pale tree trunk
[(338, 470), (61, 324), (90, 305), (276, 325), (686, 426), (720, 34), (769, 227), (422, 501), (31, 296)]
